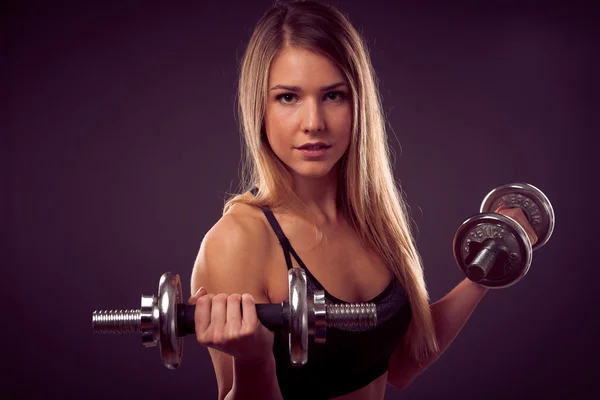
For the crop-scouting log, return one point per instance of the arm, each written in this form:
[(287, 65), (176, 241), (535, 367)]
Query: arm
[(231, 260), (254, 381), (449, 314)]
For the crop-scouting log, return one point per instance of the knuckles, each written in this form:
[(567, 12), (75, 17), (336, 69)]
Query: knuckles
[(204, 300), (234, 298), (220, 298), (223, 298)]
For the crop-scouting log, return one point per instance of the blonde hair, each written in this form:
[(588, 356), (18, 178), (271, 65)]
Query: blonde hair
[(369, 195)]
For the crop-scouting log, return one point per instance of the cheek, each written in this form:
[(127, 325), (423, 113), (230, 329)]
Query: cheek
[(342, 121), (277, 126)]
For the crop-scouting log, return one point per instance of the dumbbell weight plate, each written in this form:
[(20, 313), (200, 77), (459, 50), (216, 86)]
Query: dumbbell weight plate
[(298, 329), (531, 200), (479, 228), (169, 295)]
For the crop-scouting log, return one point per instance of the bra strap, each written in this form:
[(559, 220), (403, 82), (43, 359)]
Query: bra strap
[(283, 240)]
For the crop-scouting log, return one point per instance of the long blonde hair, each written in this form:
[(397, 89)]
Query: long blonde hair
[(369, 196)]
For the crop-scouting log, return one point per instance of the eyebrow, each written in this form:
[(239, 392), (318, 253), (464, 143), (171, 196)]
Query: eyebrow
[(297, 89)]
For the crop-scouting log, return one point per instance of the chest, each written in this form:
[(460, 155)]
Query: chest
[(344, 266)]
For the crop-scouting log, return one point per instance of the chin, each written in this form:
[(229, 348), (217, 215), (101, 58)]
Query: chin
[(313, 171)]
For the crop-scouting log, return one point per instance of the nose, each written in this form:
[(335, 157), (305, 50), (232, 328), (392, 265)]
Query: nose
[(312, 119)]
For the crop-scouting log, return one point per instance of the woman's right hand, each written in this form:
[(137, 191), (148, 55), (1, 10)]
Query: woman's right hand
[(229, 323)]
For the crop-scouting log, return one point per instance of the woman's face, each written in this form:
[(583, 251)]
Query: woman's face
[(308, 103)]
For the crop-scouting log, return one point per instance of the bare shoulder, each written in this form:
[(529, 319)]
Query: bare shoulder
[(232, 254)]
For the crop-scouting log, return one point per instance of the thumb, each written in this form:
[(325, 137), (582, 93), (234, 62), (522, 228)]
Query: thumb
[(200, 292)]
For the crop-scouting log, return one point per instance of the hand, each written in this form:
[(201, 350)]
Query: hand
[(518, 215), (229, 323)]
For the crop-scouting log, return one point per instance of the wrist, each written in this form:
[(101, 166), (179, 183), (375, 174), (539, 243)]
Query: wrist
[(477, 287)]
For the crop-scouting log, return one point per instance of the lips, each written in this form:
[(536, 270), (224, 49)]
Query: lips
[(313, 146)]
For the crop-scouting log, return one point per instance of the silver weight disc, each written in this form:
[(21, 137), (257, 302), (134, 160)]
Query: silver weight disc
[(298, 328), (319, 317), (169, 295), (534, 203), (477, 229)]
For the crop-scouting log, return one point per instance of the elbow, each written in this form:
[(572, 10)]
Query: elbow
[(224, 395), (401, 386), (400, 382)]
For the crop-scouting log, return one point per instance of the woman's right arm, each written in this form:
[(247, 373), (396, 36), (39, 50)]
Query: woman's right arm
[(231, 263)]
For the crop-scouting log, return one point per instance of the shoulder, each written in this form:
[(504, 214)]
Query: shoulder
[(238, 231), (232, 255)]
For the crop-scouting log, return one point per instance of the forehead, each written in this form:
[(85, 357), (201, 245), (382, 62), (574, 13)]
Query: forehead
[(304, 68)]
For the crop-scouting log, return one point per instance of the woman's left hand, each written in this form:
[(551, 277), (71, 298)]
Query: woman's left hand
[(518, 215)]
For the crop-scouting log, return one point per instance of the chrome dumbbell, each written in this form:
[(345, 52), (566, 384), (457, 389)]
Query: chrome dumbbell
[(493, 249), (165, 320)]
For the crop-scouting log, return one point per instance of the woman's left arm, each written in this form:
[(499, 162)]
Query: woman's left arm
[(449, 314)]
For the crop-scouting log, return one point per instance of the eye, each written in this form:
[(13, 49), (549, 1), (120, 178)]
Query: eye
[(336, 95), (286, 97)]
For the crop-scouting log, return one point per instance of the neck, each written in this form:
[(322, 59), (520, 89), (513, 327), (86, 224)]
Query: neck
[(318, 197)]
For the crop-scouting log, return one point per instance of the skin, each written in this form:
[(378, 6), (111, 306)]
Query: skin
[(240, 262)]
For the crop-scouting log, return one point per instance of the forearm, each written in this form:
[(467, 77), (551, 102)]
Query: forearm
[(251, 381), (449, 314)]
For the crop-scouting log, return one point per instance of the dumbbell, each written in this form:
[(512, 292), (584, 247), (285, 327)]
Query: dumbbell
[(493, 249), (165, 320)]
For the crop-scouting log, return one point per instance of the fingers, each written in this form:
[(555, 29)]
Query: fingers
[(202, 315), (249, 310), (518, 215), (229, 323), (218, 315), (234, 312), (221, 320)]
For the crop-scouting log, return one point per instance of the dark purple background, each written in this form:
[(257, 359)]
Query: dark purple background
[(122, 144)]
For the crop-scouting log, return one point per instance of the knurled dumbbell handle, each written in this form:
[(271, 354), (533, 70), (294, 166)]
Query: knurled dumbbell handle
[(272, 316), (485, 259)]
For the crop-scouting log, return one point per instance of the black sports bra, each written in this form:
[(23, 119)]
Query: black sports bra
[(351, 358)]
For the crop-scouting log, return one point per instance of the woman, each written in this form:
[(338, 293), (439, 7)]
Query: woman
[(320, 187)]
